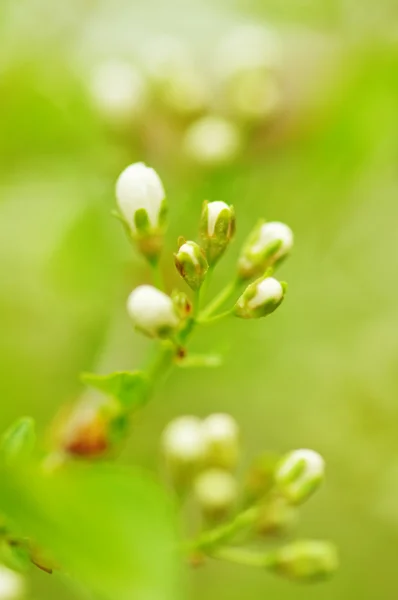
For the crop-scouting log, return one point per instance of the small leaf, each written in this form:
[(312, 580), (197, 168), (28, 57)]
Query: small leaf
[(19, 440), (129, 388)]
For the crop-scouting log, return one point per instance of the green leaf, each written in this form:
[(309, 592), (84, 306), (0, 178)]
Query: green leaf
[(109, 528), (19, 440), (129, 388)]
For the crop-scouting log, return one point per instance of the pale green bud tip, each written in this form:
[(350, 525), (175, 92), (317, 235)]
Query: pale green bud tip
[(260, 299), (182, 441), (299, 474), (268, 244), (140, 198), (12, 585), (191, 264), (221, 434), (217, 228), (276, 517), (216, 491), (152, 311), (212, 141), (305, 560)]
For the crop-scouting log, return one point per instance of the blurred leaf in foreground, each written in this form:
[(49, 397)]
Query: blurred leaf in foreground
[(109, 528)]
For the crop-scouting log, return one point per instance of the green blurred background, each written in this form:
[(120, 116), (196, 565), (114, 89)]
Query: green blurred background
[(323, 371)]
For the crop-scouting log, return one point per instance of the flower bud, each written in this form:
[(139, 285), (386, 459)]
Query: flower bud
[(183, 447), (260, 298), (221, 434), (216, 492), (12, 585), (191, 264), (212, 141), (141, 201), (152, 312), (299, 474), (217, 228), (305, 560), (266, 246), (276, 517)]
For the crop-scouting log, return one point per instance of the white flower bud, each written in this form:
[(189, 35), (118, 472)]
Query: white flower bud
[(152, 311), (221, 434), (268, 244), (305, 560), (191, 264), (212, 141), (183, 447), (216, 491), (12, 585), (118, 90), (217, 228), (260, 298), (299, 474)]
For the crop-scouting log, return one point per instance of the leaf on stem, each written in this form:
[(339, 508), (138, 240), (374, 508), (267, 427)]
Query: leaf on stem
[(130, 388)]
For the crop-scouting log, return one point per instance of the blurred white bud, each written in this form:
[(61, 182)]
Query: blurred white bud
[(142, 203), (248, 47), (254, 96), (191, 263), (183, 447), (299, 474), (12, 585), (267, 245), (221, 434), (152, 311), (212, 141), (305, 560), (217, 228), (260, 298), (163, 55), (118, 90), (216, 492)]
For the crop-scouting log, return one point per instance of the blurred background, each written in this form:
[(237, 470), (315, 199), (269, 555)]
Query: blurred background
[(287, 110)]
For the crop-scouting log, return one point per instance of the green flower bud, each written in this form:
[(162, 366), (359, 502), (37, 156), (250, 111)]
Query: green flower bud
[(142, 205), (276, 517), (221, 434), (299, 474), (216, 492), (19, 440), (152, 312), (183, 448), (260, 298), (217, 228), (191, 264), (266, 247), (305, 560)]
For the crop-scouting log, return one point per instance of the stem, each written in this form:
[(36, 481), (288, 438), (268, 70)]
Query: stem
[(221, 298), (213, 538), (211, 320), (241, 556), (162, 363), (157, 275), (206, 283)]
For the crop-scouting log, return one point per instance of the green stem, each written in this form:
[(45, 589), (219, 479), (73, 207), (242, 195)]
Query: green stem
[(219, 317), (209, 540), (162, 363), (157, 275), (241, 556), (220, 299)]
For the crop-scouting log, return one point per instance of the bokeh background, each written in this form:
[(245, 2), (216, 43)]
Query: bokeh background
[(323, 371)]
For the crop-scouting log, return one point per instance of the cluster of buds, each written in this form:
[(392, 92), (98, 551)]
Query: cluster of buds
[(201, 457), (142, 208), (210, 103)]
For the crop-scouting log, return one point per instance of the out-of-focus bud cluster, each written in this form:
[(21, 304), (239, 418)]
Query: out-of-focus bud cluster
[(201, 457), (207, 101), (202, 454)]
